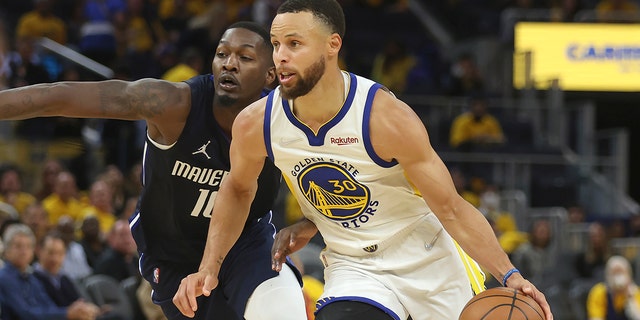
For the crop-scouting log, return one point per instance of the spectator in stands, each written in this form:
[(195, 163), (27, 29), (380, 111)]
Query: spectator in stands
[(50, 170), (132, 183), (115, 179), (11, 191), (100, 205), (537, 257), (58, 286), (175, 15), (618, 296), (589, 264), (92, 240), (617, 228), (503, 222), (24, 66), (576, 214), (63, 290), (143, 33), (35, 216), (392, 66), (75, 264), (41, 22), (23, 296), (64, 199), (102, 29), (617, 11), (490, 206), (191, 64), (464, 77), (120, 259), (476, 128)]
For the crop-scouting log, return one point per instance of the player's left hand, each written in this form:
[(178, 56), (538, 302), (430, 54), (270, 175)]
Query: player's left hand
[(191, 287), (518, 282), (289, 240)]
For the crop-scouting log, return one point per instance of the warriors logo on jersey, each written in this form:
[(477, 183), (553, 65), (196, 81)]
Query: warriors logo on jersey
[(333, 191)]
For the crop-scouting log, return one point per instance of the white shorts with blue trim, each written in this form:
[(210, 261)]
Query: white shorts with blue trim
[(420, 275)]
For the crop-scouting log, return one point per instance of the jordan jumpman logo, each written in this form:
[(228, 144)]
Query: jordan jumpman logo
[(203, 150)]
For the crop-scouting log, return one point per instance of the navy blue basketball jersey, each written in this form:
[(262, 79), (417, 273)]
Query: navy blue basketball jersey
[(181, 182)]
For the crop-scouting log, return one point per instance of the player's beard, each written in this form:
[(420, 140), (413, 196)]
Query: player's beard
[(226, 101), (304, 84)]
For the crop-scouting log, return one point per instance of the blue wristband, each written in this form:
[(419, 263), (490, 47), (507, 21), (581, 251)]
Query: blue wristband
[(509, 274)]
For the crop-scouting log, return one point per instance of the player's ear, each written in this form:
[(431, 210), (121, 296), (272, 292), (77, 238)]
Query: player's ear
[(335, 43), (271, 80)]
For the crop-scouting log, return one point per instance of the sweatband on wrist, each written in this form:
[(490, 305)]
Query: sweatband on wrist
[(508, 275)]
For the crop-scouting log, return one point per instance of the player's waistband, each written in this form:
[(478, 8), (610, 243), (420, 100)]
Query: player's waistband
[(266, 218)]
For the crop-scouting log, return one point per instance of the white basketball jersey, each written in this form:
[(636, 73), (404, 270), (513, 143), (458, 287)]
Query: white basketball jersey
[(358, 201)]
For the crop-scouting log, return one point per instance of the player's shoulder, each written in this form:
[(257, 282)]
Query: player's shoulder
[(253, 114), (386, 102)]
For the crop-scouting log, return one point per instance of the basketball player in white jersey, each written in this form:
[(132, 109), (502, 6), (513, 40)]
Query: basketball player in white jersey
[(360, 163)]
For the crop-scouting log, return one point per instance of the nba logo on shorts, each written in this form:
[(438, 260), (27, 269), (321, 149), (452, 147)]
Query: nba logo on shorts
[(156, 275)]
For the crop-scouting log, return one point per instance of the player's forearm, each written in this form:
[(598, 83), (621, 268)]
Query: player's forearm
[(84, 99), (307, 229), (474, 234), (227, 221), (32, 101)]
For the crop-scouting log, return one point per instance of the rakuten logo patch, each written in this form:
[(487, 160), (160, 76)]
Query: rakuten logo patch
[(341, 141)]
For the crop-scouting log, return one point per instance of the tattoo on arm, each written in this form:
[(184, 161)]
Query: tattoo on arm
[(220, 260), (145, 98), (23, 104)]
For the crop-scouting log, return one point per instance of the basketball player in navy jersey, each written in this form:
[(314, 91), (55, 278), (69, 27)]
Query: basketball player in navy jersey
[(186, 157), (361, 166)]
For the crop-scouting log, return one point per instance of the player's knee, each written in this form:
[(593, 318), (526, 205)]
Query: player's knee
[(342, 310)]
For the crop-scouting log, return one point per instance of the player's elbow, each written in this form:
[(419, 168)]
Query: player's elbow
[(239, 188)]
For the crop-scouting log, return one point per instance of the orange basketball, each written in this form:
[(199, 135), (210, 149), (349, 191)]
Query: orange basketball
[(501, 304)]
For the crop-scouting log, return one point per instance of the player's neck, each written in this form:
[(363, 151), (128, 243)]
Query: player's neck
[(225, 115), (324, 101)]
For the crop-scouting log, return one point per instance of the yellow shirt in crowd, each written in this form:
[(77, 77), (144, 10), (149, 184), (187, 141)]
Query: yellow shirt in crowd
[(465, 128), (597, 301)]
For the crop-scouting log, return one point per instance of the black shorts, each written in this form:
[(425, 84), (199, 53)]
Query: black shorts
[(247, 265)]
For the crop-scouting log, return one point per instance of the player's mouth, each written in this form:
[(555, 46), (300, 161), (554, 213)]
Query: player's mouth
[(286, 77), (227, 82)]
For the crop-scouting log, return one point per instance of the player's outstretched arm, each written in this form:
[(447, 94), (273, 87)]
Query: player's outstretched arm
[(291, 239), (230, 212), (392, 121), (142, 99)]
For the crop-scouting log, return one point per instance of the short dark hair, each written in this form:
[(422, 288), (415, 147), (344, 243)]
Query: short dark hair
[(257, 29), (53, 234), (328, 11)]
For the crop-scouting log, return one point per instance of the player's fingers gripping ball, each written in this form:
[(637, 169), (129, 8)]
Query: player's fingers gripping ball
[(501, 304)]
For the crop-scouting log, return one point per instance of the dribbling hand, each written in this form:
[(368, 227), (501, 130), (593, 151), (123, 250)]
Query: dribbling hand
[(191, 287), (522, 284)]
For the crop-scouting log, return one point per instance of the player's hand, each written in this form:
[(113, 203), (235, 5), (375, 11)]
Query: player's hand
[(290, 240), (518, 282), (191, 287)]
